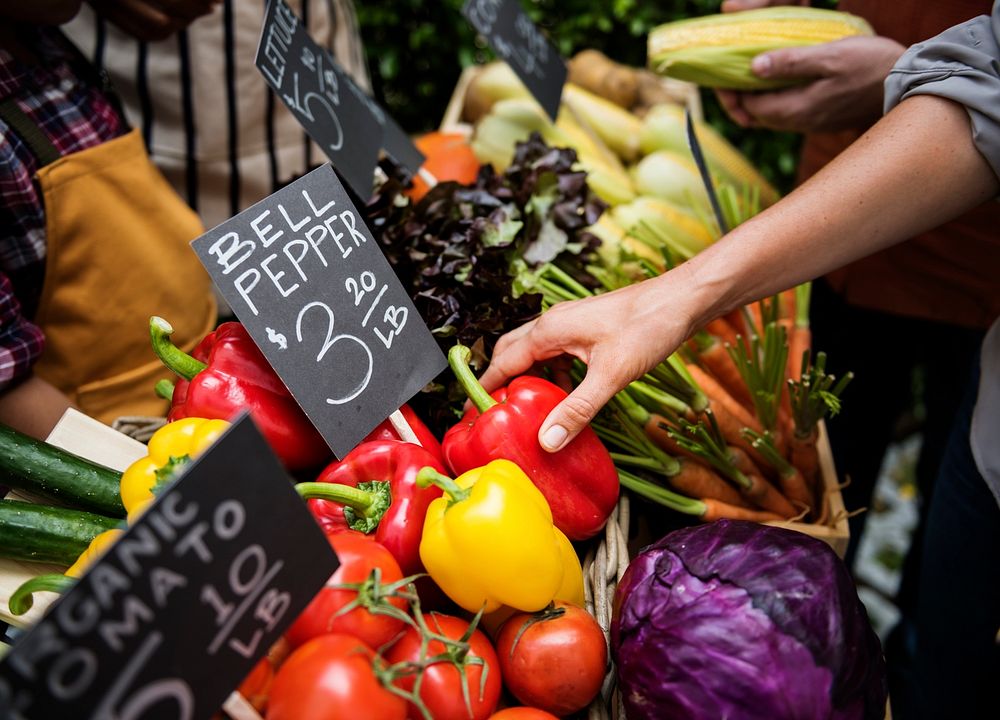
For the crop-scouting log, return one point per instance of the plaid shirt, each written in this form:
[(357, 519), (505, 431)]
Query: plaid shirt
[(74, 115)]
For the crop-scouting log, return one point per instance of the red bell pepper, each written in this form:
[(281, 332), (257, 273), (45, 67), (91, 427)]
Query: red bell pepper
[(374, 490), (227, 373), (579, 482), (385, 431)]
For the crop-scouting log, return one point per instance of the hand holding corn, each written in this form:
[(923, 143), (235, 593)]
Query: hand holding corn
[(846, 90)]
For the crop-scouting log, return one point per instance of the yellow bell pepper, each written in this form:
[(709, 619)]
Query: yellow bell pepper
[(96, 548), (570, 591), (171, 446), (489, 540)]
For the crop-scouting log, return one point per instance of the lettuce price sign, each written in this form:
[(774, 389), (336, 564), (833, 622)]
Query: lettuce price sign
[(176, 613), (302, 272)]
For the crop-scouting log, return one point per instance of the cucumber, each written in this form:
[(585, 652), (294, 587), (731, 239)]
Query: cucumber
[(43, 469), (41, 533)]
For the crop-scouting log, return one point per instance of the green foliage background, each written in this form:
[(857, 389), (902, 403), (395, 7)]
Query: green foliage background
[(417, 48)]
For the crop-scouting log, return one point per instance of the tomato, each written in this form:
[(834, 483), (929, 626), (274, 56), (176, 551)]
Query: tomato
[(256, 686), (332, 678), (523, 713), (359, 556), (555, 659), (449, 156), (441, 687)]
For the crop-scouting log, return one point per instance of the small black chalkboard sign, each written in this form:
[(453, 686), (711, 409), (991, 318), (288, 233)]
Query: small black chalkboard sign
[(321, 95), (302, 272), (519, 42), (175, 614)]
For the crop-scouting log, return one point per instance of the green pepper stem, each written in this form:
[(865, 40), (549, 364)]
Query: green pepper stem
[(164, 389), (170, 355), (352, 497), (23, 598), (429, 476), (458, 359)]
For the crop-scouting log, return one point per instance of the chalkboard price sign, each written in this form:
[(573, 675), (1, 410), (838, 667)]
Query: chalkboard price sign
[(302, 272), (327, 103), (519, 42), (175, 614)]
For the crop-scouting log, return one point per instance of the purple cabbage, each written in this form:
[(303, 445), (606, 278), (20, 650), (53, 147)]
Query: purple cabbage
[(740, 620)]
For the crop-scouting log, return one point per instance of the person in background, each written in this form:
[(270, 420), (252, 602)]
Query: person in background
[(919, 305), (185, 72), (92, 238), (942, 137)]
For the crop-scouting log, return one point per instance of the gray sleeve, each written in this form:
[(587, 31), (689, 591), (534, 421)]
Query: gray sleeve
[(961, 64)]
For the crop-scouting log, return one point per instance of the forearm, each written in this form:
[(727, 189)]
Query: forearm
[(33, 407), (928, 171)]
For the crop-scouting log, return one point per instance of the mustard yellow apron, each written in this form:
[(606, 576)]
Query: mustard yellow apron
[(117, 253)]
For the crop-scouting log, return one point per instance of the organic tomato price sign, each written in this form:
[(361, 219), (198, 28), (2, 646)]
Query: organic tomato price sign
[(302, 272), (176, 613), (519, 42), (337, 114)]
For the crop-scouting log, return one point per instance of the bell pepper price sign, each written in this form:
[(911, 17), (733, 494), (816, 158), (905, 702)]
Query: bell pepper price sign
[(302, 272), (519, 42), (320, 95), (175, 614)]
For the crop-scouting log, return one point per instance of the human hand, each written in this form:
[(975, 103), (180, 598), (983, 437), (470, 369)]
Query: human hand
[(846, 92), (153, 20), (619, 336)]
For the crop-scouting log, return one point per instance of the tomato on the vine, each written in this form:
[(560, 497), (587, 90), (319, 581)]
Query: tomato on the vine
[(443, 690), (555, 659), (332, 677), (359, 556)]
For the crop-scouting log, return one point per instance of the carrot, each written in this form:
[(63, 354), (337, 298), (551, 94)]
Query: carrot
[(792, 482), (731, 416), (716, 510), (742, 461), (722, 329), (767, 497), (656, 429), (786, 305), (805, 457), (700, 481), (738, 322), (718, 362)]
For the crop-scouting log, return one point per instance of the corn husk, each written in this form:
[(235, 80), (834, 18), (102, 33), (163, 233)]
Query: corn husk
[(716, 50), (663, 128)]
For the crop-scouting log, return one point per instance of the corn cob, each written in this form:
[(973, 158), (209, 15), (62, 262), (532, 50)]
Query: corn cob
[(716, 50), (670, 176), (683, 234), (663, 129), (617, 128)]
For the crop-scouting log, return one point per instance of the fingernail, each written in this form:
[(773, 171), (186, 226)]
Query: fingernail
[(761, 65), (554, 437)]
